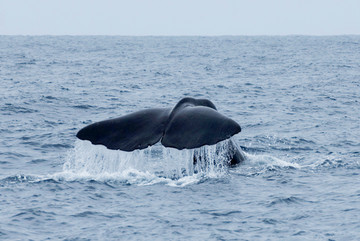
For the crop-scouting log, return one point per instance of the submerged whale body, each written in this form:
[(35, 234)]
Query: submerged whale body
[(192, 123)]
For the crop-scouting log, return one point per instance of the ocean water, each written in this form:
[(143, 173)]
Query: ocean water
[(295, 97)]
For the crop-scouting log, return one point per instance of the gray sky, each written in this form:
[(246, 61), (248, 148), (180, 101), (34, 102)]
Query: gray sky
[(179, 17)]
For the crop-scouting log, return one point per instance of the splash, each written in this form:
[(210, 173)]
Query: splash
[(155, 164)]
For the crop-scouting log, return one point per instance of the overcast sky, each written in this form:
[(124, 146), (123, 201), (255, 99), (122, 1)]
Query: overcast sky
[(179, 17)]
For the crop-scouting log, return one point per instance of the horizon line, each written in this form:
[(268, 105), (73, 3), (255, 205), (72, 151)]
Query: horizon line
[(184, 35)]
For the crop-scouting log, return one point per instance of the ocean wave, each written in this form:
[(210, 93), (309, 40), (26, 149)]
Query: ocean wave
[(286, 200), (9, 109), (260, 164), (23, 178)]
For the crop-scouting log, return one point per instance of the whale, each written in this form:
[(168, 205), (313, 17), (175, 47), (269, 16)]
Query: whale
[(191, 124)]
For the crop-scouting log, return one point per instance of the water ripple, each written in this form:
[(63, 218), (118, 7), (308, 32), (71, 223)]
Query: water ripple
[(288, 201)]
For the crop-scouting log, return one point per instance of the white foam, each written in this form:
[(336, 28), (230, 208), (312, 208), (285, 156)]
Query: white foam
[(269, 161), (152, 165)]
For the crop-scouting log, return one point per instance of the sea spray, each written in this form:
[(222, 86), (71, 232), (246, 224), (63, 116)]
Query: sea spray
[(97, 162)]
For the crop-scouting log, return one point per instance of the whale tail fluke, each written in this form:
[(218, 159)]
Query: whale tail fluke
[(192, 123)]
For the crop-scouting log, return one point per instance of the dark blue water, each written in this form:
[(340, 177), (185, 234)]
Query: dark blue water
[(296, 99)]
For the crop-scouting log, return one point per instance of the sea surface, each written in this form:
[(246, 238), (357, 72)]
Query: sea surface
[(297, 99)]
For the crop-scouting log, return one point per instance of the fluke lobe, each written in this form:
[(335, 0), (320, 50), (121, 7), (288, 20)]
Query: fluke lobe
[(192, 123)]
